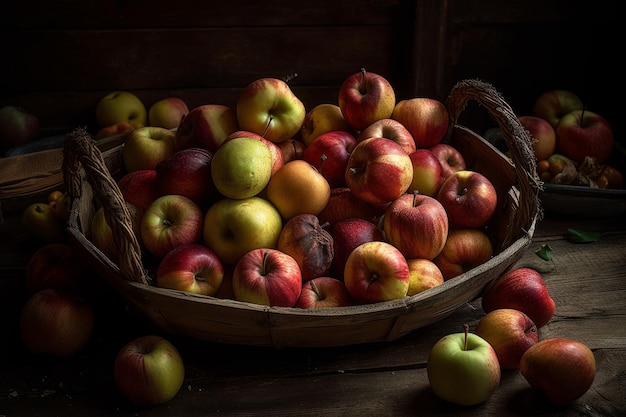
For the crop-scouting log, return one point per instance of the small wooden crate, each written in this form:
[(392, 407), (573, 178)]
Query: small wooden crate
[(229, 321)]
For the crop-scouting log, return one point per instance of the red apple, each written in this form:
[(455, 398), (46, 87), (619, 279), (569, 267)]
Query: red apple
[(170, 221), (375, 272), (149, 370), (56, 322), (365, 97), (347, 234), (192, 268), (329, 153), (309, 243), (510, 332), (139, 187), (450, 158), (424, 275), (543, 134), (554, 104), (278, 158), (469, 198), (54, 265), (206, 126), (427, 176), (292, 149), (390, 129), (267, 276), (426, 119), (322, 292), (188, 173), (417, 225), (563, 369), (378, 170), (583, 133), (465, 249), (115, 129), (17, 126), (343, 204), (522, 289)]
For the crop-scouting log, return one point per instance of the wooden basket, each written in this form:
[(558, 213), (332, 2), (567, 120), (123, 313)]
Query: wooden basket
[(235, 322)]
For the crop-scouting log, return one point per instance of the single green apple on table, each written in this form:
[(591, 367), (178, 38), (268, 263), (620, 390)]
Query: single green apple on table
[(463, 369), (121, 106), (149, 370), (269, 107)]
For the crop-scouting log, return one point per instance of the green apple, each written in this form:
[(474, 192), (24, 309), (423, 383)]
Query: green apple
[(241, 167), (463, 368), (121, 106), (270, 108), (233, 227), (167, 112), (146, 146)]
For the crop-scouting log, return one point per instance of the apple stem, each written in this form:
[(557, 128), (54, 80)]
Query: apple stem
[(290, 77), (315, 289), (323, 158), (415, 193), (466, 331), (269, 122), (363, 73), (265, 258)]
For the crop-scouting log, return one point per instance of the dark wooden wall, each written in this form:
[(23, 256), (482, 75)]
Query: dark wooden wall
[(59, 58)]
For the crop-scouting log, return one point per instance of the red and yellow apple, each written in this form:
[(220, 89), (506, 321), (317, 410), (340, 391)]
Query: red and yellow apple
[(322, 118), (323, 292), (464, 250), (425, 118), (544, 135), (329, 153), (554, 104), (167, 112), (424, 275), (193, 268), (365, 97), (206, 126), (390, 129)]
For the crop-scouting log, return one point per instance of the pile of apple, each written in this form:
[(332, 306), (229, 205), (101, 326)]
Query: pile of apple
[(350, 203), (573, 145)]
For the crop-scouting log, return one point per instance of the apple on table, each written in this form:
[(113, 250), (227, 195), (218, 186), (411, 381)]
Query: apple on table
[(149, 370)]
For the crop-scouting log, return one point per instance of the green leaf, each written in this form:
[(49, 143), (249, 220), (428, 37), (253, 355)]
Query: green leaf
[(544, 252), (578, 236)]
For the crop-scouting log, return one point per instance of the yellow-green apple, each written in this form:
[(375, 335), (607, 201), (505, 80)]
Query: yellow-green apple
[(523, 289), (167, 112), (292, 149), (450, 158), (427, 176), (298, 188), (417, 225), (121, 106), (323, 292), (309, 243), (465, 249), (365, 97), (233, 227), (583, 133), (510, 332), (562, 369), (54, 265), (188, 172), (278, 158), (424, 275), (269, 107), (41, 221), (329, 153), (347, 234), (469, 198), (120, 128), (376, 271), (206, 126), (343, 204), (390, 129), (241, 167), (56, 322), (149, 370), (543, 134), (463, 369), (139, 187), (192, 268), (170, 221), (144, 147), (268, 277), (17, 126), (554, 104), (426, 118), (379, 170), (322, 118), (102, 234)]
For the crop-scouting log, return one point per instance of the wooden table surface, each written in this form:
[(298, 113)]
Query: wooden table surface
[(587, 281)]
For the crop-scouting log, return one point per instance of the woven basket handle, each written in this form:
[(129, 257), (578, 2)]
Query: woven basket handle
[(517, 139), (79, 151)]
